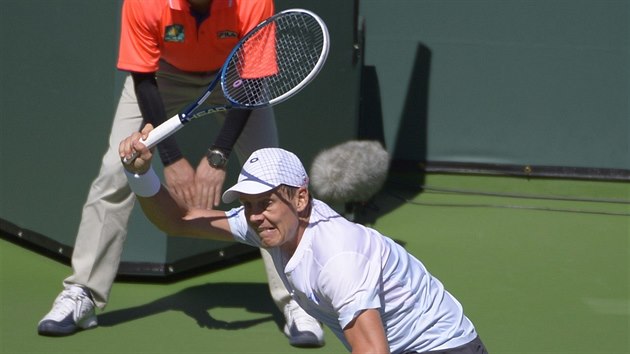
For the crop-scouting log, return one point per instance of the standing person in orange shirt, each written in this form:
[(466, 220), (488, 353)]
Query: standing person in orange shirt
[(172, 50)]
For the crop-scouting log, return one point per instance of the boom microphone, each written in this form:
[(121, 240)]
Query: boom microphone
[(353, 171)]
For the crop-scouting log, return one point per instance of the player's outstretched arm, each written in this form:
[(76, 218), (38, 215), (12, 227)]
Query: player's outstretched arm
[(157, 203), (366, 334)]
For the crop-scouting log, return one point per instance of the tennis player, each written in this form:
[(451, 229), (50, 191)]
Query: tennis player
[(374, 295), (172, 50)]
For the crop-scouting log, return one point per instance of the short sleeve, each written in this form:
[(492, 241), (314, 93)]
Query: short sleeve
[(240, 230), (351, 281), (139, 49), (251, 13)]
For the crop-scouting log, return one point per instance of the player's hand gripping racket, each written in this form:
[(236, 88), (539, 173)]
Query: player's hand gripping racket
[(271, 63)]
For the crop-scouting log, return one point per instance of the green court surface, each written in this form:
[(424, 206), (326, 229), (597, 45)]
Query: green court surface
[(540, 266)]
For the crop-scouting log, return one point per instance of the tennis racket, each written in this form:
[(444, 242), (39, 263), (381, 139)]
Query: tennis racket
[(271, 63)]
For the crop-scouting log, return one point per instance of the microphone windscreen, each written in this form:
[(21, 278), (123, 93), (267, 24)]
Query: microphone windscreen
[(353, 171)]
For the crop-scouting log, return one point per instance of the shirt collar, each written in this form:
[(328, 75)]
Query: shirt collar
[(180, 5)]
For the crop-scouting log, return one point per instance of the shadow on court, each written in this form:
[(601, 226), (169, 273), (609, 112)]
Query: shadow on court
[(198, 301)]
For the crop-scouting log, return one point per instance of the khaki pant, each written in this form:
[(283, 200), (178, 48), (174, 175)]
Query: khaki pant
[(103, 228)]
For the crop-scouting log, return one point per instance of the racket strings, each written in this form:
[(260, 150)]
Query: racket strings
[(298, 55), (275, 60)]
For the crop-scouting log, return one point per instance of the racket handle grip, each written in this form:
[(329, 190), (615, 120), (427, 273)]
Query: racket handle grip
[(158, 134)]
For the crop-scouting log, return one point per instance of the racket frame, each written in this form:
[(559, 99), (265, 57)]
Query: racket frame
[(192, 111)]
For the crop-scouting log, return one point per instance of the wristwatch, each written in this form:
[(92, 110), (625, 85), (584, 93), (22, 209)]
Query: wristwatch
[(216, 158)]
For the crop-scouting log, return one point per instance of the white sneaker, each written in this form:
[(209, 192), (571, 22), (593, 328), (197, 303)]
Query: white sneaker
[(303, 330), (72, 311)]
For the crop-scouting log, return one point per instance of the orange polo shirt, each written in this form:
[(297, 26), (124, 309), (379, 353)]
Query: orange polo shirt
[(165, 29)]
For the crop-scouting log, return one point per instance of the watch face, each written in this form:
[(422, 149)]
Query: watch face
[(216, 159)]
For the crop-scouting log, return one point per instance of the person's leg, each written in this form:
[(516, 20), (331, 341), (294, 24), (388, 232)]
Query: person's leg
[(101, 234), (103, 227), (278, 291)]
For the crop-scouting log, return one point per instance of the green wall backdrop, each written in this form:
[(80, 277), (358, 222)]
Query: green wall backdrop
[(58, 95), (540, 82)]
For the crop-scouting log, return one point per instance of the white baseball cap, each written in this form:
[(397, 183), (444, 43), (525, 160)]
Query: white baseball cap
[(265, 170)]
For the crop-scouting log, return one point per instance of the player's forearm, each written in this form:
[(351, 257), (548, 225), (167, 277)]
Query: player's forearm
[(163, 211), (177, 220), (366, 334), (370, 347)]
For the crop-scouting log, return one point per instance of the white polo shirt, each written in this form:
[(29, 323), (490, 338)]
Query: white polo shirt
[(341, 268)]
